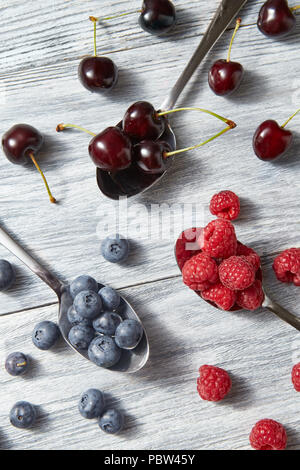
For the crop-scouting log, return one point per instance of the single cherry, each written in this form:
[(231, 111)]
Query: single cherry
[(271, 140), (225, 76), (20, 144), (111, 150), (143, 122), (157, 16), (97, 74), (151, 157), (276, 18)]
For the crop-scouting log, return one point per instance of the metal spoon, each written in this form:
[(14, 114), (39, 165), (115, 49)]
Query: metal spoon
[(131, 182), (131, 360), (268, 303)]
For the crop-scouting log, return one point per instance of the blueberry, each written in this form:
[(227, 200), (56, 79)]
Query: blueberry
[(83, 283), (110, 298), (112, 421), (107, 323), (7, 275), (22, 415), (81, 335), (45, 335), (75, 318), (88, 304), (128, 334), (16, 363), (91, 404), (104, 352), (115, 249)]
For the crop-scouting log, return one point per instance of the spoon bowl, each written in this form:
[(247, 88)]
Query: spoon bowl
[(131, 360), (186, 247)]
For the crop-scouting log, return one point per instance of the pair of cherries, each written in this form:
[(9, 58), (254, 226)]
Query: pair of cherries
[(100, 74)]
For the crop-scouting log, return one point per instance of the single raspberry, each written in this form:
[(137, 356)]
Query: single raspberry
[(252, 297), (223, 297), (213, 384), (225, 205), (268, 434), (287, 266), (219, 239), (250, 254), (296, 377), (236, 273), (200, 272)]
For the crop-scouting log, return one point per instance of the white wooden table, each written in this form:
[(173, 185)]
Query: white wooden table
[(40, 47)]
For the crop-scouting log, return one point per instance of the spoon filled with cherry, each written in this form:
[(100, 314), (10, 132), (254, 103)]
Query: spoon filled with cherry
[(128, 360), (136, 153)]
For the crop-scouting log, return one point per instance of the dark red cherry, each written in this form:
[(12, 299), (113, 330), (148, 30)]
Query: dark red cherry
[(111, 150), (20, 144), (157, 16), (225, 77), (98, 74), (141, 122), (19, 141), (276, 18), (151, 156), (270, 141)]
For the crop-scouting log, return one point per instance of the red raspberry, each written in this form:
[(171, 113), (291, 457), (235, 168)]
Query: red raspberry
[(219, 239), (225, 205), (200, 272), (287, 266), (223, 297), (296, 377), (251, 298), (236, 273), (250, 254), (213, 384), (268, 434)]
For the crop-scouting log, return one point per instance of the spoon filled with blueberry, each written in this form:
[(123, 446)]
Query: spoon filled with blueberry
[(93, 318)]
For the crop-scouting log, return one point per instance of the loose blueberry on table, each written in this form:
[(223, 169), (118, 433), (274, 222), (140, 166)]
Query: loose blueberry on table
[(97, 74), (22, 415), (16, 363), (276, 18), (131, 156), (111, 421), (91, 404), (157, 16), (7, 275), (225, 76), (115, 248), (271, 141), (20, 144), (45, 335)]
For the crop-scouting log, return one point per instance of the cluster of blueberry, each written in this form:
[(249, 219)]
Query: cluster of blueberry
[(92, 406), (96, 316)]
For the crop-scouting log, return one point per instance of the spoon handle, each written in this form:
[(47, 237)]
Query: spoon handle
[(282, 313), (32, 264), (226, 12)]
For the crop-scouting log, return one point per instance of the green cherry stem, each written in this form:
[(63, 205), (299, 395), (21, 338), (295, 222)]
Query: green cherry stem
[(297, 7), (95, 37), (61, 127), (202, 110), (52, 199), (290, 118), (238, 24)]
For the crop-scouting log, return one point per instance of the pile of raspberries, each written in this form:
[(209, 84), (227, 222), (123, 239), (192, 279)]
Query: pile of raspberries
[(225, 272)]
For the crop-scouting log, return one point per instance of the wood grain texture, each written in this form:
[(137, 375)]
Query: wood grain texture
[(39, 54), (162, 407)]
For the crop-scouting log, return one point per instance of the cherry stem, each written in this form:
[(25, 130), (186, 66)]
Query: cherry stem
[(297, 7), (176, 152), (95, 38), (163, 113), (62, 127), (238, 24), (289, 119), (52, 199), (97, 19)]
